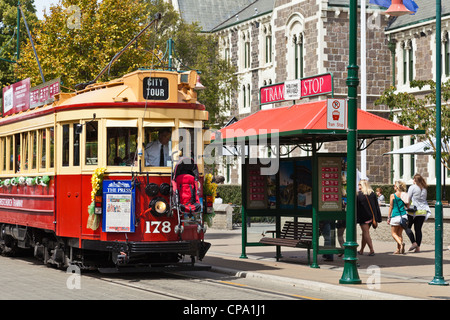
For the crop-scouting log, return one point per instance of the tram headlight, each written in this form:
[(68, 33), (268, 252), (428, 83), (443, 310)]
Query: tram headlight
[(151, 189), (159, 207), (164, 189)]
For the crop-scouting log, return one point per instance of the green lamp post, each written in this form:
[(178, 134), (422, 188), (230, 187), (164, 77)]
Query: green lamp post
[(438, 276), (350, 274)]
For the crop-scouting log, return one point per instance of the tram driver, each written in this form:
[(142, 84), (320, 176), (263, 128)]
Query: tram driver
[(157, 152)]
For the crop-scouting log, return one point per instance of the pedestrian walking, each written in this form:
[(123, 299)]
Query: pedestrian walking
[(380, 196), (397, 202), (367, 209), (419, 212)]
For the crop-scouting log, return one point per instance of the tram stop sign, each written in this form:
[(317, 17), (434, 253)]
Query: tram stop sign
[(336, 113)]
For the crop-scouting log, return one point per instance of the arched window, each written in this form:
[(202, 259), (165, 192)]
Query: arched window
[(295, 46), (408, 61)]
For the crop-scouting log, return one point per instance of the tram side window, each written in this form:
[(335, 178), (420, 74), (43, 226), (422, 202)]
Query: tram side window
[(157, 143), (52, 147), (17, 152), (4, 156), (122, 144), (92, 143), (33, 156), (65, 146), (25, 161), (76, 146), (43, 148), (11, 153)]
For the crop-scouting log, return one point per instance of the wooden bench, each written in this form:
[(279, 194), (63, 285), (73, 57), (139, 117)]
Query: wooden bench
[(295, 235)]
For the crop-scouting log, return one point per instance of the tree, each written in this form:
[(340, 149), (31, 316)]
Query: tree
[(8, 35), (77, 39), (419, 111)]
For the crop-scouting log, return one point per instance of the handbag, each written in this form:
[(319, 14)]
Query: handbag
[(403, 220), (374, 221), (412, 209)]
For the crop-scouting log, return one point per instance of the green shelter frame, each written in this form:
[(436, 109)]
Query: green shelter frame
[(312, 139)]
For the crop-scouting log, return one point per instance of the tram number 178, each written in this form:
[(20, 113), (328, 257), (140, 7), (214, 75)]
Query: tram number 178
[(157, 227)]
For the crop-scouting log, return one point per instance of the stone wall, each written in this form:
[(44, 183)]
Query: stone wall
[(223, 217)]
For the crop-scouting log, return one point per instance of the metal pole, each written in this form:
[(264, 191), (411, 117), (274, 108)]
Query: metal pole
[(18, 31), (32, 44), (438, 277), (170, 45), (117, 56), (350, 274), (363, 84)]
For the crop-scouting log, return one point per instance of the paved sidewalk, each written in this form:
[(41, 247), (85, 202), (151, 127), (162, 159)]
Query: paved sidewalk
[(404, 276)]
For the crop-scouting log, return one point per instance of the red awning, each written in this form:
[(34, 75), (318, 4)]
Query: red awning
[(307, 122)]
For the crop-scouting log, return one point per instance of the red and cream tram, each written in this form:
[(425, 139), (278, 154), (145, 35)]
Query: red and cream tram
[(77, 182)]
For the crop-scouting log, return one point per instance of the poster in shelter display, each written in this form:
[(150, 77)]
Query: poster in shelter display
[(304, 185), (330, 183), (287, 187), (257, 188)]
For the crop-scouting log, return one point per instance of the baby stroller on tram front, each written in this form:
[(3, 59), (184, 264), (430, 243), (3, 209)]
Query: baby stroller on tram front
[(185, 195)]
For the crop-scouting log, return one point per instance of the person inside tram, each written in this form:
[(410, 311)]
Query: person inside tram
[(157, 151), (122, 144)]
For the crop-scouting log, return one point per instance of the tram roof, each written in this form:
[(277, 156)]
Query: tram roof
[(306, 123), (123, 92)]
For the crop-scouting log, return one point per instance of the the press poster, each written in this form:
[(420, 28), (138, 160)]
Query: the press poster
[(118, 206)]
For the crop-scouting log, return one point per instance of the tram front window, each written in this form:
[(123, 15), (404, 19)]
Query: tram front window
[(157, 153), (122, 144)]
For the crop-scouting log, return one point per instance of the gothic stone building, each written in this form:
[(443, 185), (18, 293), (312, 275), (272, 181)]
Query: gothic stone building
[(271, 41)]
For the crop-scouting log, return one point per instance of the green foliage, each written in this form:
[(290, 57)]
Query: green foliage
[(8, 36), (230, 193), (77, 52), (418, 111)]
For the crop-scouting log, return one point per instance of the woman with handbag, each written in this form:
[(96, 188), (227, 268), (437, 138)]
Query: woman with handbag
[(397, 217), (367, 214), (421, 211)]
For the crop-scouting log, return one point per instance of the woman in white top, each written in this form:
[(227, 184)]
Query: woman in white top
[(418, 195)]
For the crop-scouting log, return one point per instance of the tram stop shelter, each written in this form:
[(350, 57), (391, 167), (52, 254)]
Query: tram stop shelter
[(310, 190)]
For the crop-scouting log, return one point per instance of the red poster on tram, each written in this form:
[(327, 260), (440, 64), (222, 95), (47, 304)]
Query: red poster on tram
[(16, 97)]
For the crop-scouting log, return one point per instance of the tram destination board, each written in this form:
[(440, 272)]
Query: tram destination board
[(156, 88)]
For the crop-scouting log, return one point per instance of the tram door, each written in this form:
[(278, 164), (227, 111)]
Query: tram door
[(68, 185)]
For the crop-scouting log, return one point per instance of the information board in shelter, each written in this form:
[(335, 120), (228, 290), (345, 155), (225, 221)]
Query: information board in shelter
[(257, 188), (330, 183)]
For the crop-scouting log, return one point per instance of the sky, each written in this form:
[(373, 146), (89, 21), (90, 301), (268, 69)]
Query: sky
[(43, 4)]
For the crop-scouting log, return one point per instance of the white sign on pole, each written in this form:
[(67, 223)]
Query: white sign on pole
[(292, 90), (336, 113)]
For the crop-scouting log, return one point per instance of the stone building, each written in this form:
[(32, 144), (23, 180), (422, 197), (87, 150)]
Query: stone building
[(413, 42), (271, 41)]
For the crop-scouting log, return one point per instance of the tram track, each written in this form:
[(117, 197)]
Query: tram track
[(170, 285), (127, 284), (235, 285)]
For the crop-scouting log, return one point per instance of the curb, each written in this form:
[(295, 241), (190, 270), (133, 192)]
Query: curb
[(363, 294)]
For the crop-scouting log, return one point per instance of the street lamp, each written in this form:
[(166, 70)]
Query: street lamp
[(438, 276), (397, 8), (350, 273)]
